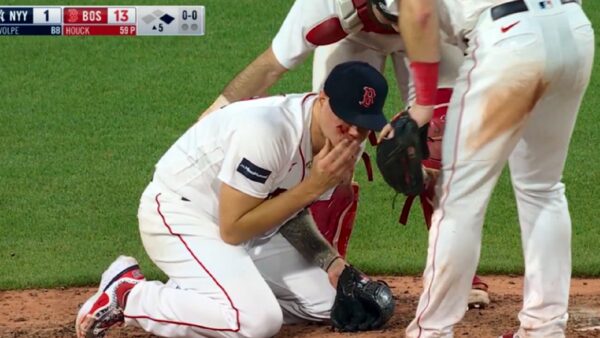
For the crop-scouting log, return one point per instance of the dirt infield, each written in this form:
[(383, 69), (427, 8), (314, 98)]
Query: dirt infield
[(50, 313)]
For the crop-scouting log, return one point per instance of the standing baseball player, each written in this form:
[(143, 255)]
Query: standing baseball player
[(339, 31), (527, 66), (210, 219)]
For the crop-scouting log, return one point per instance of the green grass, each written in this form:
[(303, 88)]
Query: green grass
[(84, 119)]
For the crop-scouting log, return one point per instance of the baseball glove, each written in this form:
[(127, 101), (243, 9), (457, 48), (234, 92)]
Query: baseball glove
[(360, 303), (399, 157), (433, 164)]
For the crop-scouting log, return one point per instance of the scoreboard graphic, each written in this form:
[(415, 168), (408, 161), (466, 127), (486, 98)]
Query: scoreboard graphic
[(98, 20)]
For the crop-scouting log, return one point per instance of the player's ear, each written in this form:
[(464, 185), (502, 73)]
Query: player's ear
[(323, 98), (322, 95)]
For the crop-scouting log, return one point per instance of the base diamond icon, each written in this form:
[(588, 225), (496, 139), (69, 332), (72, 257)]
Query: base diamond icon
[(167, 19)]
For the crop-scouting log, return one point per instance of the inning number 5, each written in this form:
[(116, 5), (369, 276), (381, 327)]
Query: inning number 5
[(121, 15)]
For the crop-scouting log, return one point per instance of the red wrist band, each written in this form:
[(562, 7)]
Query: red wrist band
[(425, 79)]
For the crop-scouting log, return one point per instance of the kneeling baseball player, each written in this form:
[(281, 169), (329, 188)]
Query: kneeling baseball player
[(225, 219), (339, 31)]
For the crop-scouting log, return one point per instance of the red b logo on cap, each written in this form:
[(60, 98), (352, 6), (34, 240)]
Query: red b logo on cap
[(368, 97)]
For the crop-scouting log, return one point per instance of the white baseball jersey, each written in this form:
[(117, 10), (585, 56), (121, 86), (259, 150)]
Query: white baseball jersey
[(312, 23), (339, 33), (516, 100), (232, 147), (215, 289)]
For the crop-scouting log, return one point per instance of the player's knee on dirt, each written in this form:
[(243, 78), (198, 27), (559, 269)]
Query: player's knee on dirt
[(312, 305), (263, 320), (320, 308)]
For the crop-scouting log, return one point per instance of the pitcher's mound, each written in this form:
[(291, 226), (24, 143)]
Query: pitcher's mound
[(51, 313)]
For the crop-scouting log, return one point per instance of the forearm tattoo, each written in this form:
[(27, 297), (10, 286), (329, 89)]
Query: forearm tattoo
[(302, 233)]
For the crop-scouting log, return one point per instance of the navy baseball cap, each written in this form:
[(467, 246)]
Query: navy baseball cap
[(357, 93)]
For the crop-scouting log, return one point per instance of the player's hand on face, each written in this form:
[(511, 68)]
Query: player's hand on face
[(334, 164)]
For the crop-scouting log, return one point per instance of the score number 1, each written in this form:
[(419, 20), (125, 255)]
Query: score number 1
[(47, 15)]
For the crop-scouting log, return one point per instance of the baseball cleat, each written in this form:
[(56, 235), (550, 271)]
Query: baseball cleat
[(478, 296), (105, 309)]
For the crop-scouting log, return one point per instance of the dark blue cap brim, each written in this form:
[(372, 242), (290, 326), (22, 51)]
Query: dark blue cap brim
[(374, 122)]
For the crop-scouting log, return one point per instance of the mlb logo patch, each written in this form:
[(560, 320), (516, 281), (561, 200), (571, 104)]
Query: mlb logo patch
[(546, 4)]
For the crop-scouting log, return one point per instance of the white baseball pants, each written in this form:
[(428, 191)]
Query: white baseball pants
[(216, 289), (516, 99)]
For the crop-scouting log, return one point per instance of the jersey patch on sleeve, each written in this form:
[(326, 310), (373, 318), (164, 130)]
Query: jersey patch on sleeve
[(252, 171)]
